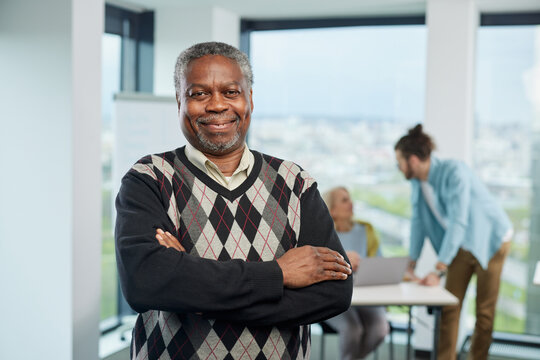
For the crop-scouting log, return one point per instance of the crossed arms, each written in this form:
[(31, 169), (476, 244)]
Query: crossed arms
[(307, 284)]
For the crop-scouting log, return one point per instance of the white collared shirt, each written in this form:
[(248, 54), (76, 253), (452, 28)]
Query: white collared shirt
[(241, 173)]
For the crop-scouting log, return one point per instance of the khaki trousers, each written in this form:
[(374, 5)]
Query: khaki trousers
[(459, 275)]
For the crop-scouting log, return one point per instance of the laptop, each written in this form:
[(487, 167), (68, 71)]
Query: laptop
[(380, 271)]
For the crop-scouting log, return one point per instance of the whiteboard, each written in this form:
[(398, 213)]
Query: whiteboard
[(142, 124)]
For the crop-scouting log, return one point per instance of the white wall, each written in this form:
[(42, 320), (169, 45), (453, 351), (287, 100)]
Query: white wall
[(177, 28), (49, 188)]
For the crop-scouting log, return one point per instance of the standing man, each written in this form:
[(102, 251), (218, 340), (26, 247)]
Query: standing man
[(225, 252), (468, 229)]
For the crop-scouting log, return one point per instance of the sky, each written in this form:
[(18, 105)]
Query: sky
[(379, 72)]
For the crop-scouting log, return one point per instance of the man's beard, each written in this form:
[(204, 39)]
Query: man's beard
[(409, 174), (217, 147)]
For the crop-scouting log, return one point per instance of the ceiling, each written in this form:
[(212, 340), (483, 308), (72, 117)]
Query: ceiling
[(273, 9)]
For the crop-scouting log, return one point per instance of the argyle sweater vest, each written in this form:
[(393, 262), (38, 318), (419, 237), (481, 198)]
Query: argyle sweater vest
[(258, 221)]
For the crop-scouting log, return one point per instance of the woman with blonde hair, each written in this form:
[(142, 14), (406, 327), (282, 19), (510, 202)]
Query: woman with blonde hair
[(361, 328)]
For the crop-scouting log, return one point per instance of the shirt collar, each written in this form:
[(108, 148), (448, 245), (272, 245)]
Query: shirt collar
[(200, 160), (434, 163)]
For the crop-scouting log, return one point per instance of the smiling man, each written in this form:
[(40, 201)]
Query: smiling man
[(226, 253)]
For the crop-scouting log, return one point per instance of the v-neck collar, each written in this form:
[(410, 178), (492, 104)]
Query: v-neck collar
[(214, 185)]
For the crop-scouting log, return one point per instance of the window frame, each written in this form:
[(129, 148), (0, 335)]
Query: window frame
[(509, 19), (138, 27), (247, 26)]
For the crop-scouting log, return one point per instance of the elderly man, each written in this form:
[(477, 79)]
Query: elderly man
[(225, 252)]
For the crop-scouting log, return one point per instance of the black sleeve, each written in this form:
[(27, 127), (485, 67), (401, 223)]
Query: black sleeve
[(158, 278), (310, 304)]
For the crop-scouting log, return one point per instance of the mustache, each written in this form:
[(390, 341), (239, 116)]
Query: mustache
[(217, 118)]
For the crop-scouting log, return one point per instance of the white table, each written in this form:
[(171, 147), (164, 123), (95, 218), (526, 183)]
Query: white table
[(536, 280), (407, 294)]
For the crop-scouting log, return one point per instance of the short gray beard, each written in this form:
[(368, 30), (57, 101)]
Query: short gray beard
[(217, 147)]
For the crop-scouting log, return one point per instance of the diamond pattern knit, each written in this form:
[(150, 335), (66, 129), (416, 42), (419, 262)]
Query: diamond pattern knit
[(259, 221)]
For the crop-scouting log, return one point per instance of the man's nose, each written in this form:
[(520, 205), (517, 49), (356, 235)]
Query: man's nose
[(217, 103)]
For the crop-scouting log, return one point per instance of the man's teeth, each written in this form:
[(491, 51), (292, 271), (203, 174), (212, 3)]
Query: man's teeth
[(219, 125)]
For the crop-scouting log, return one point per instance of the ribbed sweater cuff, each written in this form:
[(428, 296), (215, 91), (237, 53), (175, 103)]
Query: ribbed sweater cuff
[(267, 278)]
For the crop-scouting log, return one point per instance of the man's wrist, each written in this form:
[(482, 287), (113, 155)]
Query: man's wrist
[(441, 273)]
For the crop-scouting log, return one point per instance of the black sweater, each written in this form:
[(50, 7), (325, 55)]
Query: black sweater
[(224, 296)]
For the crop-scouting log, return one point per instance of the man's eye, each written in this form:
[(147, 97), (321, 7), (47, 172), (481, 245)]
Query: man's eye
[(197, 94), (232, 93)]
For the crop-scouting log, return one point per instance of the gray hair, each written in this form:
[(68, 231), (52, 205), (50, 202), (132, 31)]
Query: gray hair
[(211, 48)]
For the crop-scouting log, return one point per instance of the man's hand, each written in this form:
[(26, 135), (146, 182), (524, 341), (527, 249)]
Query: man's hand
[(434, 277), (431, 279), (168, 240), (354, 258), (307, 265), (441, 266)]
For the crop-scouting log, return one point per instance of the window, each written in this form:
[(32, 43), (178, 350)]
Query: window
[(127, 64), (111, 54), (506, 153), (335, 100)]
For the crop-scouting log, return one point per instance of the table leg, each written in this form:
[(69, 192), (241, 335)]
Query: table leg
[(409, 331), (436, 311)]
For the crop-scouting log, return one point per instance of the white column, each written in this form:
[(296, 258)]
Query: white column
[(177, 28), (87, 33), (452, 26), (50, 233)]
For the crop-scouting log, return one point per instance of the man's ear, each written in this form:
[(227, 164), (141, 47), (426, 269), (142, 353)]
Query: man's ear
[(414, 160), (251, 98)]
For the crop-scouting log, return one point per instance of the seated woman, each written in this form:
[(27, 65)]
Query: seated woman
[(361, 329)]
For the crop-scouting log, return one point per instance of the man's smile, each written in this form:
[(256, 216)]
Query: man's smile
[(214, 123)]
